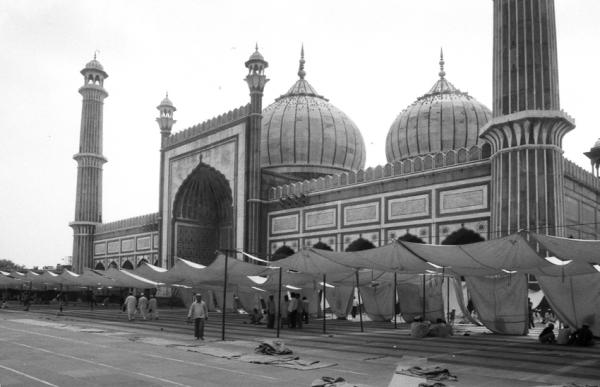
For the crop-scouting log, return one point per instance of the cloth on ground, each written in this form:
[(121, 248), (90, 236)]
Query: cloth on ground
[(272, 347), (436, 384), (430, 373), (329, 381)]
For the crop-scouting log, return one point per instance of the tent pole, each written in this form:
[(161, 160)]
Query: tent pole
[(448, 298), (395, 300), (359, 304), (424, 309), (224, 299), (324, 297), (279, 303)]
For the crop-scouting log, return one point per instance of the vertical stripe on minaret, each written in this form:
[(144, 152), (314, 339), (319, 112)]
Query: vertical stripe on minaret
[(526, 132), (256, 80), (88, 199)]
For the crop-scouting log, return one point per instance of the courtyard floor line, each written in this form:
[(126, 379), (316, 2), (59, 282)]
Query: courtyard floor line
[(96, 363), (28, 376), (140, 353)]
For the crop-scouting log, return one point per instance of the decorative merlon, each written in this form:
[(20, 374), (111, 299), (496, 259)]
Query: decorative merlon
[(123, 224), (196, 130), (580, 175), (408, 166)]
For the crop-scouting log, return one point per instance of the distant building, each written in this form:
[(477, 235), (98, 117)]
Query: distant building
[(293, 173)]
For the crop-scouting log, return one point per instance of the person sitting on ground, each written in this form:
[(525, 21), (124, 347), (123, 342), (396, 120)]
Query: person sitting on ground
[(582, 337), (419, 328), (440, 329), (256, 316), (563, 335), (547, 335)]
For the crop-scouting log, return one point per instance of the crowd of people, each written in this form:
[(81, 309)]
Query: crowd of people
[(566, 336), (146, 308)]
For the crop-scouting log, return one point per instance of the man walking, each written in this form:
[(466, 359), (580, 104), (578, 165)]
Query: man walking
[(198, 312), (153, 308), (143, 305), (130, 304)]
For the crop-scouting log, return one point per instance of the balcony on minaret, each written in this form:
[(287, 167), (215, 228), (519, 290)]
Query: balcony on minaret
[(165, 119)]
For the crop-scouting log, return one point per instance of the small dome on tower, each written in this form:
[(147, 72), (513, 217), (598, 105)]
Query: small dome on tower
[(303, 134), (441, 120), (166, 103)]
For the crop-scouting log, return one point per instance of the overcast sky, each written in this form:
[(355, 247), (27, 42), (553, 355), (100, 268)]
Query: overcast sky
[(370, 58)]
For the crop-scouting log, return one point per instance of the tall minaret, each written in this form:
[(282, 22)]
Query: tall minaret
[(165, 123), (527, 189), (256, 80), (88, 200)]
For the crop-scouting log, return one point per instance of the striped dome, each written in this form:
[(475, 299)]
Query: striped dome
[(305, 135), (443, 119)]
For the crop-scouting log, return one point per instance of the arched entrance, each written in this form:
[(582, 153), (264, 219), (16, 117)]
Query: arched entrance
[(202, 216)]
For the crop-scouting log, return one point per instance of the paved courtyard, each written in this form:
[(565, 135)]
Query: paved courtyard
[(101, 348)]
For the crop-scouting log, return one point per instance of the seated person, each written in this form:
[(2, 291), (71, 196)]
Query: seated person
[(563, 335), (255, 316), (419, 328), (440, 329), (583, 337), (547, 335)]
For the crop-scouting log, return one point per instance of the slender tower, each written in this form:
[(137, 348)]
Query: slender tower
[(256, 80), (526, 132), (88, 200), (165, 123)]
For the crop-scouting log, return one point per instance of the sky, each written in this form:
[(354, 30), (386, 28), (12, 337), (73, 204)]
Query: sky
[(371, 59)]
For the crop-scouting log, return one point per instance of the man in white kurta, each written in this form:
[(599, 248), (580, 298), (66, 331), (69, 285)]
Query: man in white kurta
[(130, 304), (153, 308), (198, 312), (143, 305)]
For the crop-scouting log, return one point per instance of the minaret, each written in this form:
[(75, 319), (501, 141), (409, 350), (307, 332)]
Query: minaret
[(526, 132), (165, 123), (88, 200), (256, 80)]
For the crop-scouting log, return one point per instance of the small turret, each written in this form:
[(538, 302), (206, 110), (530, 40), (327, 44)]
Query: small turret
[(165, 119), (256, 77), (594, 156)]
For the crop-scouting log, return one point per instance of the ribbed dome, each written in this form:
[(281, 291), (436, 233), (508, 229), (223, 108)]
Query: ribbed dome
[(304, 134), (94, 64), (443, 119), (166, 102)]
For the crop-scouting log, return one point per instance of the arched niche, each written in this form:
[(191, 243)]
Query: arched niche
[(202, 219), (99, 266), (141, 262), (127, 265)]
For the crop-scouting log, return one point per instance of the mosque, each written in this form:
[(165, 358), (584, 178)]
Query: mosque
[(293, 174)]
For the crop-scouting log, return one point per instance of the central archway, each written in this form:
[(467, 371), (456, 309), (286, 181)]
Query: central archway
[(202, 216)]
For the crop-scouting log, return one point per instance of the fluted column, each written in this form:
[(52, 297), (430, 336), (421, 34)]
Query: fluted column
[(526, 133)]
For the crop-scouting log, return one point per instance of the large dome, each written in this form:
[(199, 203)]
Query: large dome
[(305, 135), (443, 119)]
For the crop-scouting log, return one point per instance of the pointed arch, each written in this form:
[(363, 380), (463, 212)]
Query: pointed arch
[(203, 215)]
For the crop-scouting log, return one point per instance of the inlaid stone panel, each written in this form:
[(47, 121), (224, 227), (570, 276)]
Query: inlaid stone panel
[(100, 248), (463, 199), (320, 219), (408, 207), (285, 224), (143, 243), (361, 213)]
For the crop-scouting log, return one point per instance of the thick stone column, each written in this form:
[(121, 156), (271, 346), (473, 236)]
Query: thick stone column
[(88, 199), (527, 191)]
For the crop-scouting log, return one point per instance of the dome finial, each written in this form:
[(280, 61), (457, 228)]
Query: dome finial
[(301, 72), (442, 73), (256, 46)]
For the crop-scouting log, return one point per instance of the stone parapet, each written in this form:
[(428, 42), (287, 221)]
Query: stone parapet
[(124, 224), (231, 116), (580, 175), (419, 164)]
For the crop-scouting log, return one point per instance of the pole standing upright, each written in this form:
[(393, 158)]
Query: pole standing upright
[(224, 300), (324, 298), (395, 299), (279, 303)]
